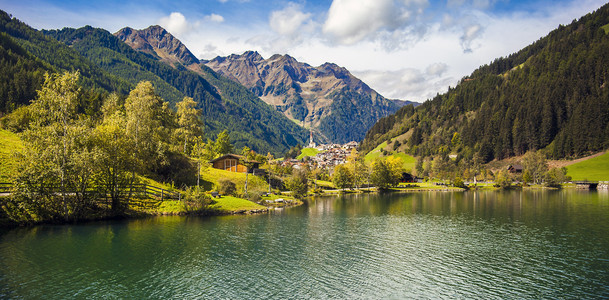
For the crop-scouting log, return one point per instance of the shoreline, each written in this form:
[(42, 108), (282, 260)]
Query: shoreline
[(212, 212)]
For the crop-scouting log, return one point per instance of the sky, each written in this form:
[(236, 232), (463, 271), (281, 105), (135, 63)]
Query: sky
[(404, 49)]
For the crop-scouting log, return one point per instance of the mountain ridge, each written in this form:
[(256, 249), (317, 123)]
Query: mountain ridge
[(158, 42), (305, 93), (552, 96)]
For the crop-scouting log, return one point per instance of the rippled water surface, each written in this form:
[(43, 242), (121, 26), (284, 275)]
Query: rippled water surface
[(536, 244)]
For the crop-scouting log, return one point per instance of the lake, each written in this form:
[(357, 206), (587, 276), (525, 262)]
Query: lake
[(517, 244)]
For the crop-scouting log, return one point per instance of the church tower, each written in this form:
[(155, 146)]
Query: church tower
[(311, 142)]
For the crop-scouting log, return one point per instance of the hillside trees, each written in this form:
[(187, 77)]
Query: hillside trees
[(222, 145), (188, 121), (343, 177), (551, 95), (72, 158), (59, 157)]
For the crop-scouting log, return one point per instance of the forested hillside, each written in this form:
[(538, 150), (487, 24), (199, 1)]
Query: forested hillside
[(27, 54), (107, 64), (552, 95)]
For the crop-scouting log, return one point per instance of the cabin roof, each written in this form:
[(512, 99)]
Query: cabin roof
[(235, 156)]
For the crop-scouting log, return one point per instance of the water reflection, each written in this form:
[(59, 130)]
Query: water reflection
[(530, 244)]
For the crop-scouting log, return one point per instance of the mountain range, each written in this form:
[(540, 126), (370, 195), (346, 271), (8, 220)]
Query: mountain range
[(327, 99), (330, 101)]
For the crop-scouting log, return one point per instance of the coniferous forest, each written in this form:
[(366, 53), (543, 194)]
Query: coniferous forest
[(552, 95)]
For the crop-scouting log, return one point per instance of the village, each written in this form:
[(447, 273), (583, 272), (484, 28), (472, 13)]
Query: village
[(327, 157)]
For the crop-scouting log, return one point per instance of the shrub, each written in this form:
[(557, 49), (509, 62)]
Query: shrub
[(226, 187), (298, 184), (195, 200), (458, 182)]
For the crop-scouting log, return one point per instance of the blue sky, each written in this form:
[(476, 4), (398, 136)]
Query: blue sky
[(406, 49)]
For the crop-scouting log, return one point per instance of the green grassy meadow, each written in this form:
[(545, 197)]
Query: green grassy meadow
[(307, 152), (232, 204), (408, 161), (594, 169), (9, 143), (211, 176), (375, 153)]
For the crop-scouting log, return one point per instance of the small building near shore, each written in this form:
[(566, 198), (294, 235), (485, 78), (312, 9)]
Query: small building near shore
[(515, 169), (234, 163)]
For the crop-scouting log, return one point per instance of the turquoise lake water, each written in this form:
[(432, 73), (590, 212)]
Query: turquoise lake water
[(519, 244)]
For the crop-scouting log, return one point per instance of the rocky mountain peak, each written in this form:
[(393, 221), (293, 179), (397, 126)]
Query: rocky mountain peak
[(252, 55), (318, 97), (157, 41)]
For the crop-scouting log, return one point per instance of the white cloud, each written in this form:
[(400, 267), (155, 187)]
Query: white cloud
[(406, 84), (470, 33), (351, 21), (290, 20), (436, 69), (176, 24), (215, 18)]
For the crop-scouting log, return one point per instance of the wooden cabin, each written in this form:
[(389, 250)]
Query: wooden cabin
[(407, 177), (515, 169), (234, 163)]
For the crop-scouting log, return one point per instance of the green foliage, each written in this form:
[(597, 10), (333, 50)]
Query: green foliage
[(536, 166), (195, 200), (551, 94), (298, 183), (382, 175), (189, 125), (503, 180), (222, 144), (58, 159), (458, 182), (343, 177), (555, 176), (226, 187)]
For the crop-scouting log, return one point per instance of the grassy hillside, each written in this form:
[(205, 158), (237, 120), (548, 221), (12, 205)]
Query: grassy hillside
[(9, 143), (594, 169), (307, 152), (408, 161), (376, 152), (210, 177)]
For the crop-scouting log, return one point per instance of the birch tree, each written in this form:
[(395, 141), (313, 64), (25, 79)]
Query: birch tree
[(189, 125)]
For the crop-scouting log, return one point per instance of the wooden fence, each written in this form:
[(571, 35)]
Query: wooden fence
[(138, 190)]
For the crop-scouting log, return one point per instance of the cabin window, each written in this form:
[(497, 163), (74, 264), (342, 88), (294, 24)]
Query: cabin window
[(230, 165)]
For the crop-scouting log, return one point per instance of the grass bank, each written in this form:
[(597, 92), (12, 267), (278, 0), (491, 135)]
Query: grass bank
[(594, 169), (9, 144), (307, 152)]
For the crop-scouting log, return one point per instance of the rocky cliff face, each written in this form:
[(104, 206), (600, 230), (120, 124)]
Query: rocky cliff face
[(159, 43), (309, 95)]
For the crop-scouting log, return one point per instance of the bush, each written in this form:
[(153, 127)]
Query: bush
[(298, 184), (195, 200), (226, 187), (458, 182), (253, 196)]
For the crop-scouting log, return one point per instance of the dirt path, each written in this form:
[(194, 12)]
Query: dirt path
[(564, 163)]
